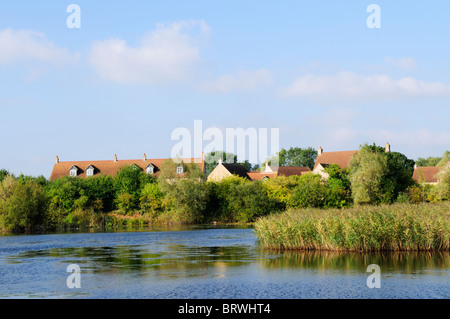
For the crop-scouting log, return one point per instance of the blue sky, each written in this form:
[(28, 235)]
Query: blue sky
[(137, 70)]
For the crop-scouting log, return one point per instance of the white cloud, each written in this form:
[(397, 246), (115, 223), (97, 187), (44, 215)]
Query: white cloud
[(349, 86), (404, 63), (24, 45), (164, 55), (241, 81)]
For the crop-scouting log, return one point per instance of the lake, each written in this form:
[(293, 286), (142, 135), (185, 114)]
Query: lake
[(206, 262)]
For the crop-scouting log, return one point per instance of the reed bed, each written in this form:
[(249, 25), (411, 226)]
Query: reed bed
[(397, 227)]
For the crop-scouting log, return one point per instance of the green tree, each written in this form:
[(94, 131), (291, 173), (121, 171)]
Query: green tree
[(187, 200), (399, 174), (220, 192), (379, 177), (443, 188), (430, 161), (247, 201), (126, 202), (338, 187), (3, 174), (130, 179), (41, 180), (296, 156), (309, 192), (100, 190), (280, 190), (186, 195), (152, 199), (128, 183), (22, 205), (367, 170), (62, 194)]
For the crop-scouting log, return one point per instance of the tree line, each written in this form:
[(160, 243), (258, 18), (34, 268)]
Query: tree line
[(30, 204)]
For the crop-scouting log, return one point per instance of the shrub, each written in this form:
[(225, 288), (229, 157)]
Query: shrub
[(100, 191), (248, 201), (21, 205), (126, 202), (130, 180), (309, 192), (379, 177), (280, 190), (152, 199)]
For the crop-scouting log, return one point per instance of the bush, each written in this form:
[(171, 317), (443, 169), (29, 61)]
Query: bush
[(219, 203), (21, 205), (130, 180), (248, 201), (280, 190), (62, 195), (309, 192), (152, 199), (379, 177), (126, 202), (186, 199), (101, 192)]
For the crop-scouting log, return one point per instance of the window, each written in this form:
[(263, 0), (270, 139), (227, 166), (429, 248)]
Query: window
[(150, 169), (73, 172), (90, 171), (265, 178), (180, 169)]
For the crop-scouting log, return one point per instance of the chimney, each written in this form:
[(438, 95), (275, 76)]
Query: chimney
[(267, 169), (220, 160), (56, 160), (415, 166), (388, 148), (144, 158), (320, 151), (115, 158)]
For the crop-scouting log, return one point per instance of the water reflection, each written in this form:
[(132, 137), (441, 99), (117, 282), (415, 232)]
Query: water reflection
[(206, 263), (409, 262), (179, 257), (138, 258)]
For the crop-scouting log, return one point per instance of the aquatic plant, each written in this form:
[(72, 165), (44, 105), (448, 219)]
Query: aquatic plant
[(397, 227)]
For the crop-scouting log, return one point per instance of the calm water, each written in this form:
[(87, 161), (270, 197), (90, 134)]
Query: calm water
[(199, 262)]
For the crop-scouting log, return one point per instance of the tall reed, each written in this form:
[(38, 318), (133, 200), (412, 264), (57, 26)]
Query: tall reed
[(398, 227)]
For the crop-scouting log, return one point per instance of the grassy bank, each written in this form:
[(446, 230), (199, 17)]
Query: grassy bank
[(398, 227)]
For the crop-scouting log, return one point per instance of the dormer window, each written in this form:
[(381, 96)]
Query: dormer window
[(180, 169), (150, 169), (73, 171), (90, 171)]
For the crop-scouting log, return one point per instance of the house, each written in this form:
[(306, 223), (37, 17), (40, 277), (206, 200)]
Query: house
[(272, 172), (325, 159), (224, 170), (342, 158), (83, 169), (426, 175)]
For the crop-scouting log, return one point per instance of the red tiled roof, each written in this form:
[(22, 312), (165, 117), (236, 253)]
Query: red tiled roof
[(289, 171), (258, 176), (282, 171), (111, 167), (343, 158), (428, 173)]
